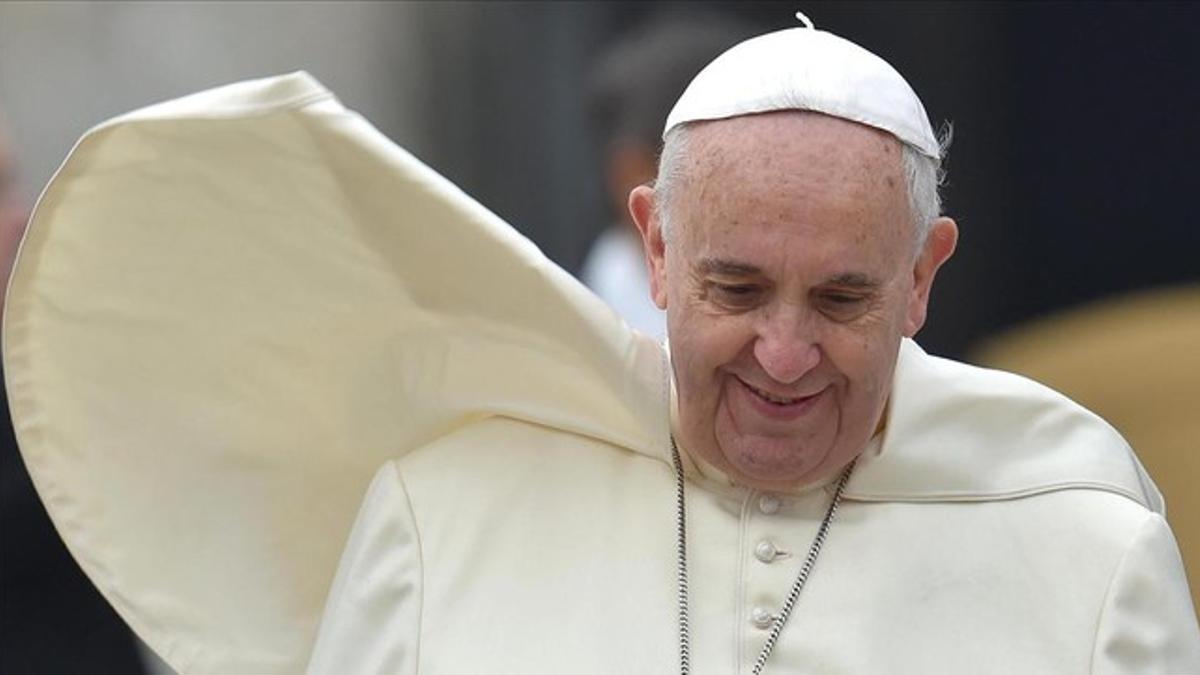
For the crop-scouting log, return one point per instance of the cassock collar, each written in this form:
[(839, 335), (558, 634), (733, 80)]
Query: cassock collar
[(955, 432)]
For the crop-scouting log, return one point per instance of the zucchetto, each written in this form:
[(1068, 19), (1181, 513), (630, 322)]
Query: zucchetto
[(806, 69)]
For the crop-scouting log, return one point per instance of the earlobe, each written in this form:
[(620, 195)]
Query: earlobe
[(645, 216), (939, 246)]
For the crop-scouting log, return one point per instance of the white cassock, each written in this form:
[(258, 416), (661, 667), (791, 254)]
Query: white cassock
[(993, 527), (231, 310)]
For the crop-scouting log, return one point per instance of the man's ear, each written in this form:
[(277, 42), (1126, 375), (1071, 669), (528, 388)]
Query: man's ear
[(939, 246), (642, 208)]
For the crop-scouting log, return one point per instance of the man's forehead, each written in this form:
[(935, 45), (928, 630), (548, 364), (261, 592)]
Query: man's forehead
[(798, 152), (755, 190)]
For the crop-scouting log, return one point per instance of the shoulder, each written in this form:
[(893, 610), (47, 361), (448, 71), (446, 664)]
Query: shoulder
[(501, 459), (1147, 622), (962, 433)]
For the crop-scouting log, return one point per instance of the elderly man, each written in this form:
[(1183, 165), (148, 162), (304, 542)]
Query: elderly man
[(794, 486), (845, 503)]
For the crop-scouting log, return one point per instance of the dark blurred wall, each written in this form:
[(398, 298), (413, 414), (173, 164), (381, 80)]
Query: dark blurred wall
[(1107, 108), (508, 84)]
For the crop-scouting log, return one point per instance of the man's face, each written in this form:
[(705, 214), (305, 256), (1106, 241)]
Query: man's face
[(788, 282)]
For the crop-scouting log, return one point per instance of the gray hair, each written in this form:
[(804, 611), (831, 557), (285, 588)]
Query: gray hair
[(924, 176)]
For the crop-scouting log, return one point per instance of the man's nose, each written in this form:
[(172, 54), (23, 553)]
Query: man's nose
[(786, 347)]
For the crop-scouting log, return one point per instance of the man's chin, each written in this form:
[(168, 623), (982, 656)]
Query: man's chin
[(772, 464)]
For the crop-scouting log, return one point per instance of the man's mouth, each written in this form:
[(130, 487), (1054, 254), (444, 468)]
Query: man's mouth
[(774, 398), (774, 406), (777, 400)]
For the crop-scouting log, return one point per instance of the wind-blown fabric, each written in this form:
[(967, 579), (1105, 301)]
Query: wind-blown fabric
[(229, 311)]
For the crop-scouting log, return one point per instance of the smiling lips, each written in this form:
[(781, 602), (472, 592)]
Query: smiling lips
[(777, 407)]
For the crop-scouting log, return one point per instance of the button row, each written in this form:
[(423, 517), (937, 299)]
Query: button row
[(765, 551)]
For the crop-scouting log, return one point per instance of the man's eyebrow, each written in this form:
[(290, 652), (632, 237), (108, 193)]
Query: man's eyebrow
[(727, 267), (853, 280)]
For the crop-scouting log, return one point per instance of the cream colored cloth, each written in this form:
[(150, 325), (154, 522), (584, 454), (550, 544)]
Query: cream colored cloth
[(230, 310)]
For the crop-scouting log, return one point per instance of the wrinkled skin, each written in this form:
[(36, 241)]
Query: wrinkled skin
[(792, 272)]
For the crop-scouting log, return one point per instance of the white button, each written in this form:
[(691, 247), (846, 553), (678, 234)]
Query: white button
[(765, 551), (768, 504), (761, 617)]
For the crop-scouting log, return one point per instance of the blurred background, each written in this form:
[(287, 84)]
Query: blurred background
[(1072, 177)]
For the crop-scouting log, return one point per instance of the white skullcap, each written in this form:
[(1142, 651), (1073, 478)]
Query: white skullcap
[(807, 69)]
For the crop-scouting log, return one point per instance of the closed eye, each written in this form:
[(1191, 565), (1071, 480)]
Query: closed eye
[(842, 299), (736, 289), (843, 307), (735, 296)]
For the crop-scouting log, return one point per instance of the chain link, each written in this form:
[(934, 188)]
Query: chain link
[(681, 573)]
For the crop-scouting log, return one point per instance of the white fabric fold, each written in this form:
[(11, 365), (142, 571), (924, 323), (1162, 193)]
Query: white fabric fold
[(230, 310)]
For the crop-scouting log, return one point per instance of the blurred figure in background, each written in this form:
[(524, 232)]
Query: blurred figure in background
[(633, 85), (52, 620), (12, 210)]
